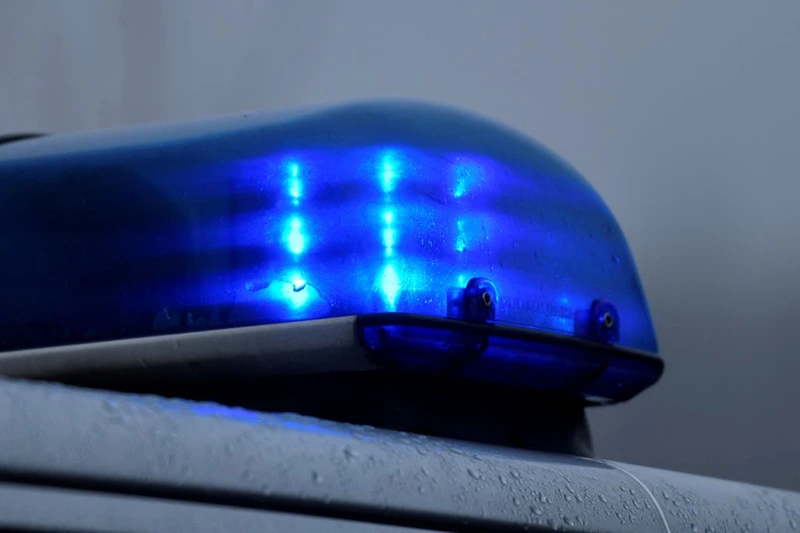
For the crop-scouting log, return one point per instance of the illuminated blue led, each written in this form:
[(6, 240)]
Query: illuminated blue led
[(390, 285), (388, 233), (388, 171), (467, 175), (294, 184), (388, 240), (298, 283), (294, 290), (461, 240), (295, 238), (294, 188), (460, 188)]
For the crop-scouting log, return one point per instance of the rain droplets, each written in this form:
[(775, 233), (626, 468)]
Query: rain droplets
[(474, 473)]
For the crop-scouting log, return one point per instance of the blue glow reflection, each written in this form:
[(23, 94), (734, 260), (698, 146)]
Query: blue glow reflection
[(237, 414)]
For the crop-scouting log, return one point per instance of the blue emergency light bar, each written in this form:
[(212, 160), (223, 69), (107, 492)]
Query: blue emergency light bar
[(460, 245)]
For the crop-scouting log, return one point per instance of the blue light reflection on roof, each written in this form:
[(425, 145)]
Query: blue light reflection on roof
[(246, 416), (239, 415), (384, 212)]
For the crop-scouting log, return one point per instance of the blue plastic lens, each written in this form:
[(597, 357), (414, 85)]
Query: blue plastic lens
[(369, 208)]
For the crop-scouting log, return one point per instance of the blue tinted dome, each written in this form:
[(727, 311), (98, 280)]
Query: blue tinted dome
[(351, 210)]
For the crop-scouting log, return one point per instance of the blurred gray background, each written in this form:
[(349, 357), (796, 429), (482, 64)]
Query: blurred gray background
[(685, 116)]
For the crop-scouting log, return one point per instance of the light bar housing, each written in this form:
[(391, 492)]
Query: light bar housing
[(461, 245)]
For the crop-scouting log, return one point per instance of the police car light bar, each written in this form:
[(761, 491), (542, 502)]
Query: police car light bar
[(456, 245)]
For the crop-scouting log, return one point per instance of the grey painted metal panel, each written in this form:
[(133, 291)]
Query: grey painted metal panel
[(700, 504), (324, 345), (37, 508), (205, 451)]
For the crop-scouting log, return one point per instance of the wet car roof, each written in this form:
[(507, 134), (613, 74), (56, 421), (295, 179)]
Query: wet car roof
[(203, 452)]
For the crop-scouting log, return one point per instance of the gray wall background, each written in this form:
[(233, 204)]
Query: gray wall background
[(685, 116)]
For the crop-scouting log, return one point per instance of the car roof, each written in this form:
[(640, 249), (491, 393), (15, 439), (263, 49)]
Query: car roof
[(204, 452)]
